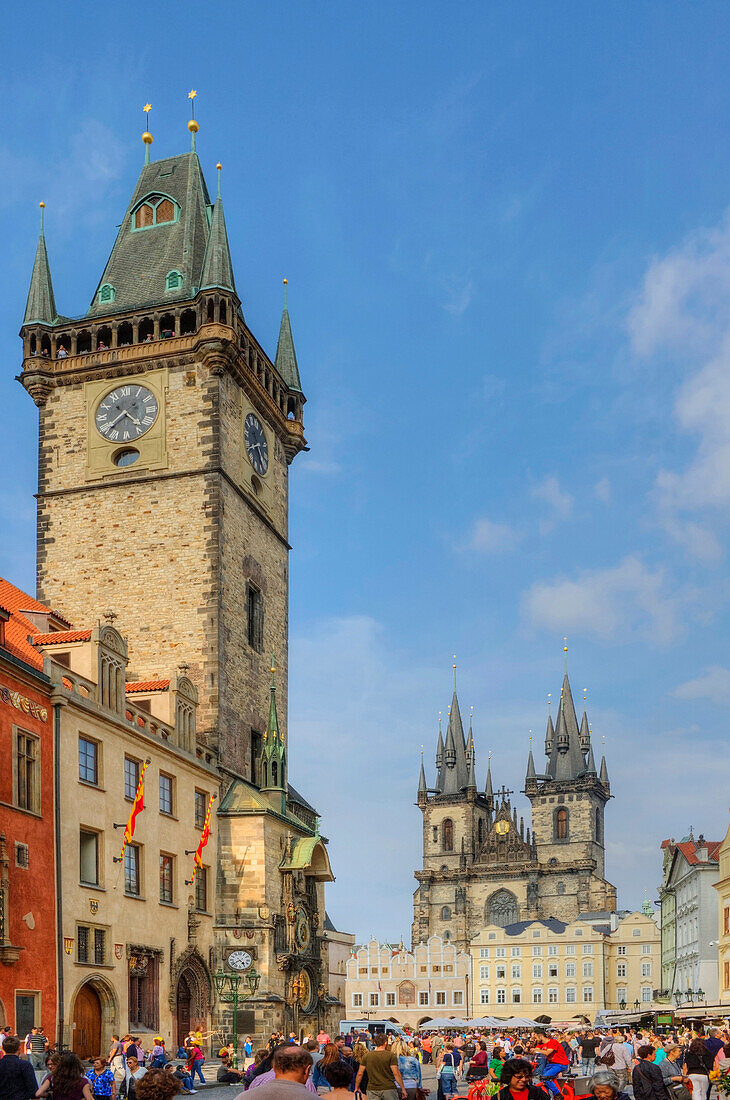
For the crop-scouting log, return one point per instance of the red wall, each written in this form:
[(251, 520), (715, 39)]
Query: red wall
[(31, 891)]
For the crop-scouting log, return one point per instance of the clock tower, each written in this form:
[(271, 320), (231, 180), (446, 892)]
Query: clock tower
[(165, 437)]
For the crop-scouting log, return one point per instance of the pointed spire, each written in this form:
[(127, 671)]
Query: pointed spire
[(471, 781), (217, 265), (530, 767), (286, 357), (488, 789), (440, 748), (41, 304), (603, 774), (590, 762), (273, 751), (585, 733), (422, 790)]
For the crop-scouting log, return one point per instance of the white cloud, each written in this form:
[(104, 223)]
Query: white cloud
[(714, 684), (559, 501), (603, 602), (459, 295), (493, 538), (602, 490)]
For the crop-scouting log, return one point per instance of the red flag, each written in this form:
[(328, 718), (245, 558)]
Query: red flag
[(137, 807), (198, 857)]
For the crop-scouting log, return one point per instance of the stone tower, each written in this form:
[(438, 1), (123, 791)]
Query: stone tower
[(165, 437), (482, 865)]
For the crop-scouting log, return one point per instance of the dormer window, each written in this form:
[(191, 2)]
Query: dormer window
[(173, 280), (107, 293), (155, 210)]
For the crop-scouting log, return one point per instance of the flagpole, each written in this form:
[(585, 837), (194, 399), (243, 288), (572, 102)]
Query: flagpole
[(137, 808)]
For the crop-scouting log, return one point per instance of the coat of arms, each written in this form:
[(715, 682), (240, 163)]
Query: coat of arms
[(68, 944), (93, 905), (236, 933), (118, 950)]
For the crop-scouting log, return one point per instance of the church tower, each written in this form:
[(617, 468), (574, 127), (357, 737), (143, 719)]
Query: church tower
[(165, 437)]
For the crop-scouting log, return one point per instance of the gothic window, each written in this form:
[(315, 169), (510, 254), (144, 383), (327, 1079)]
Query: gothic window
[(501, 909), (154, 210), (173, 280), (274, 774), (255, 615), (256, 741), (445, 913), (447, 834), (561, 823), (480, 831), (599, 836)]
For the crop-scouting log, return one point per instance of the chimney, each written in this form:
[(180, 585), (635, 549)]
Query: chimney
[(4, 616), (701, 849)]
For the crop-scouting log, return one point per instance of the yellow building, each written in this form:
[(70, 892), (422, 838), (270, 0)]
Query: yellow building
[(723, 939), (563, 971), (408, 987), (136, 934)]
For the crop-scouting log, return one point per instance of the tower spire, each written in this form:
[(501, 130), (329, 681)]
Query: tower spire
[(273, 752), (422, 790), (217, 264), (286, 357), (41, 303)]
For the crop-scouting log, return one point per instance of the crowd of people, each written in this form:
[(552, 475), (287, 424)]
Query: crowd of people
[(511, 1065)]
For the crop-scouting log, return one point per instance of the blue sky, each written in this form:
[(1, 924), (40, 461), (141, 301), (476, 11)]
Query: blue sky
[(506, 230)]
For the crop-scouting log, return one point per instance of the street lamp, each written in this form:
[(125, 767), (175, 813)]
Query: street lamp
[(636, 1005), (227, 988)]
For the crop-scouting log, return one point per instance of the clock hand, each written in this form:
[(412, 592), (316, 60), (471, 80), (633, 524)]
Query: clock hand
[(118, 418), (132, 418)]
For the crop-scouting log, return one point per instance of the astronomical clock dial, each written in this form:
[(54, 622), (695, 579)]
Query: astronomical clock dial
[(305, 989), (502, 828), (256, 446), (239, 960), (302, 930), (126, 413)]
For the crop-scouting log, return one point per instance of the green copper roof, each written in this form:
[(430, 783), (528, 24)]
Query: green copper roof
[(308, 854), (141, 259), (41, 305), (286, 357), (217, 266)]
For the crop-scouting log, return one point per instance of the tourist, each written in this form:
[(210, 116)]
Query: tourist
[(196, 1061), (646, 1078), (587, 1052), (135, 1073), (381, 1066), (116, 1058), (409, 1066), (181, 1075), (698, 1061), (62, 353), (226, 1074), (159, 1058), (447, 1069), (604, 1085), (17, 1078), (102, 1079), (671, 1066), (516, 1081), (617, 1055), (36, 1046), (340, 1076), (157, 1084), (319, 1080), (52, 1063), (496, 1062), (291, 1067), (68, 1081)]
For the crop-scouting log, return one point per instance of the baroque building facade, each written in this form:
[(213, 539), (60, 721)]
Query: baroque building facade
[(165, 438), (688, 901), (482, 865)]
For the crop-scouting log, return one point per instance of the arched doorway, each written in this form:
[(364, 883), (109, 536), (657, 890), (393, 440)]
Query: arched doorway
[(87, 1022), (184, 1000)]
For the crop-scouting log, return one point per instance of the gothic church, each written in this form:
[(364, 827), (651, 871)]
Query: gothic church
[(482, 866)]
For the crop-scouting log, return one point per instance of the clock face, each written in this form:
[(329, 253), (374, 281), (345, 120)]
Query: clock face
[(126, 413), (239, 960), (302, 932), (256, 445)]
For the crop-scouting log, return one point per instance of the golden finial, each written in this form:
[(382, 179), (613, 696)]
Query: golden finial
[(286, 285), (191, 95), (530, 738), (550, 697), (192, 125), (585, 695), (147, 136), (565, 645), (219, 169), (219, 166), (42, 205)]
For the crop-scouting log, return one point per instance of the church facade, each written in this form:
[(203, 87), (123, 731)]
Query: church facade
[(165, 437), (482, 865)]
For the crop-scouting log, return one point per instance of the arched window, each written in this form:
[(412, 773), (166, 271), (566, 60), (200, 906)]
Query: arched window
[(173, 280), (561, 887), (599, 823), (501, 909), (561, 823), (445, 913), (154, 210), (274, 773), (447, 835), (480, 831), (107, 293)]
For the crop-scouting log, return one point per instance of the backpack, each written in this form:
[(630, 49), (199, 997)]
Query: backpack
[(607, 1058), (566, 1049)]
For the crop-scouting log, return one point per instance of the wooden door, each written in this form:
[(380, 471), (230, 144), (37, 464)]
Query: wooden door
[(183, 1009), (87, 1023)]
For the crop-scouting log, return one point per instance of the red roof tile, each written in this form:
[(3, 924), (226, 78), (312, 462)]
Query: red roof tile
[(689, 851), (18, 627), (14, 599), (146, 685), (61, 637)]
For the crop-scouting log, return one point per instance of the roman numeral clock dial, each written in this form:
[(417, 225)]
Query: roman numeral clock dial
[(126, 413), (256, 446)]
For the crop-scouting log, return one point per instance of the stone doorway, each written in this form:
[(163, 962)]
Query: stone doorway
[(87, 1022), (184, 1001)]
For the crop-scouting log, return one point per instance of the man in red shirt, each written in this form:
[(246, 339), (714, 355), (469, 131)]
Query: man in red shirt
[(557, 1061)]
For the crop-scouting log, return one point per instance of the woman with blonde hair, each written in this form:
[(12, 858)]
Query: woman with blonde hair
[(409, 1066)]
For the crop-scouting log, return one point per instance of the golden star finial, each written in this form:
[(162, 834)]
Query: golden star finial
[(192, 94), (147, 108)]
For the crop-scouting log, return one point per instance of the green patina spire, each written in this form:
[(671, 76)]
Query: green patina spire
[(273, 751), (41, 304), (217, 266), (286, 357)]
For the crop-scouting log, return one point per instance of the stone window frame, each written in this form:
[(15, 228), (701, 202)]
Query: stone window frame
[(32, 786), (98, 757), (88, 830), (92, 942)]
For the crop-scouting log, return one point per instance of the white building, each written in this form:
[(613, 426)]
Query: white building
[(689, 916), (408, 987)]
